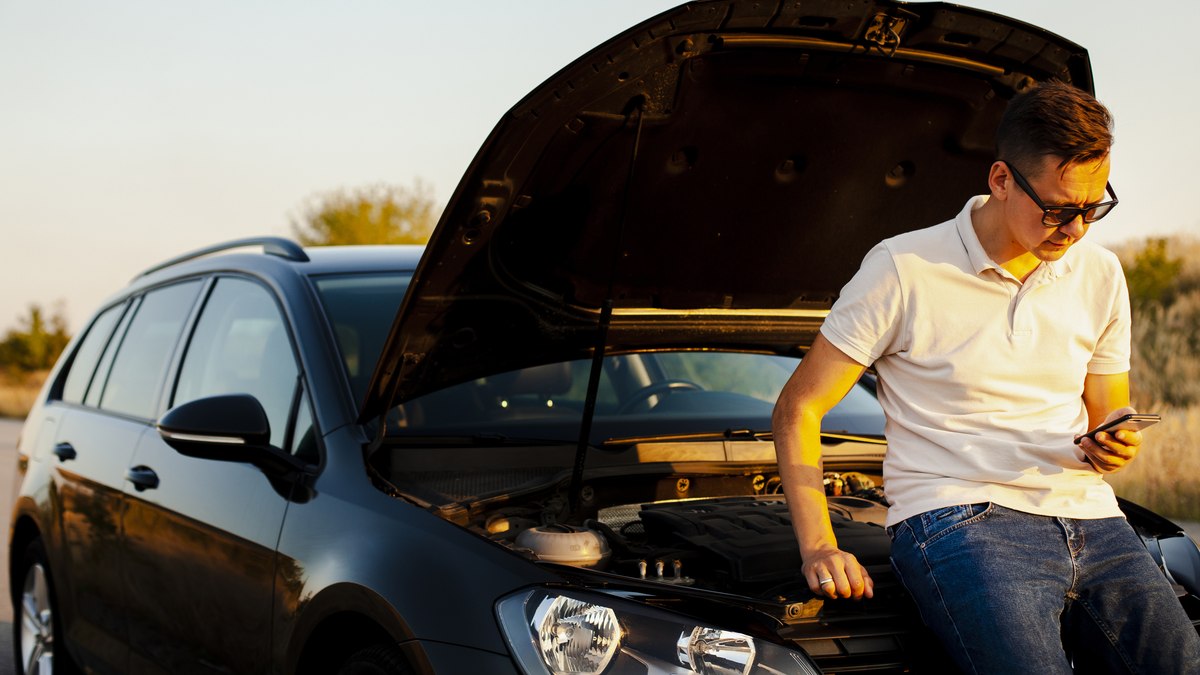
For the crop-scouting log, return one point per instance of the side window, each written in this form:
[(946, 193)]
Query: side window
[(88, 355), (142, 358), (241, 346), (304, 434), (92, 398)]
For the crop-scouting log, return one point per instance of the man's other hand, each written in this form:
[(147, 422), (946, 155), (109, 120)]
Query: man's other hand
[(1112, 451)]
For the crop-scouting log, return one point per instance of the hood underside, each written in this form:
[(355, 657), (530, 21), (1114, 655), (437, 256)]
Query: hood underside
[(709, 179)]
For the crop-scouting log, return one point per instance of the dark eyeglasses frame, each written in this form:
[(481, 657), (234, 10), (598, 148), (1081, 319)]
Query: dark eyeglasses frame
[(1057, 216)]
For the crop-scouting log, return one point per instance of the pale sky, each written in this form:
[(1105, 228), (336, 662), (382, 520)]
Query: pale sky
[(132, 131)]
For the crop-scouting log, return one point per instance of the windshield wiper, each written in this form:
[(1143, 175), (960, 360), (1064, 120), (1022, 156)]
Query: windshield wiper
[(734, 435), (475, 440), (726, 435)]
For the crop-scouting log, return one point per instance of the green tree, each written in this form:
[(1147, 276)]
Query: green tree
[(1153, 276), (37, 342), (378, 214)]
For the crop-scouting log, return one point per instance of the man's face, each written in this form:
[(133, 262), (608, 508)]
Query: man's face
[(1076, 185)]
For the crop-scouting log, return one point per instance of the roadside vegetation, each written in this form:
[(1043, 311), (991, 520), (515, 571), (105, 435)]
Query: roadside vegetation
[(18, 393), (1164, 284), (26, 354), (1164, 290)]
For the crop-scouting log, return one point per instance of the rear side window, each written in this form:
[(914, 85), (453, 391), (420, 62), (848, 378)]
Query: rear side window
[(84, 364), (137, 371), (92, 398), (241, 346)]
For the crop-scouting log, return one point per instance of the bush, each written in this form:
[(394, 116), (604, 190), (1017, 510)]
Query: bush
[(36, 344), (1164, 291), (1153, 275), (1166, 353)]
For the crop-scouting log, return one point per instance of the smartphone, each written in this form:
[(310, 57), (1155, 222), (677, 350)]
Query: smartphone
[(1136, 422)]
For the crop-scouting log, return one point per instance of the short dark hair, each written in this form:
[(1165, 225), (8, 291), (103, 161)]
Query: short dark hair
[(1054, 119)]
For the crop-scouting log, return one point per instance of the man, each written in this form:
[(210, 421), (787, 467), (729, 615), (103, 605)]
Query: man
[(999, 338)]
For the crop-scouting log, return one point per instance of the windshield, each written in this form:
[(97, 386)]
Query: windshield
[(640, 395), (361, 308)]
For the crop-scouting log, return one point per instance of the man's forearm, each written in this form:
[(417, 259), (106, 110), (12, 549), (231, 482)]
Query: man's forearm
[(809, 509), (798, 450)]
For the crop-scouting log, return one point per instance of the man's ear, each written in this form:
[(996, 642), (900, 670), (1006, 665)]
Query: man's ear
[(999, 180)]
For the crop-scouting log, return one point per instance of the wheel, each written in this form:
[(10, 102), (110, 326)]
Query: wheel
[(37, 630), (376, 660), (645, 393)]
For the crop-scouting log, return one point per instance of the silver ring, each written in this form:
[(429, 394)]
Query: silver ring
[(826, 580)]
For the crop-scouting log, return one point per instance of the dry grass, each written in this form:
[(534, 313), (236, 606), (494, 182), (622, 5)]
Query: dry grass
[(1165, 477), (17, 393)]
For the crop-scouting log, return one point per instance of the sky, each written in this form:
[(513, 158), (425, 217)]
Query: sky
[(135, 130)]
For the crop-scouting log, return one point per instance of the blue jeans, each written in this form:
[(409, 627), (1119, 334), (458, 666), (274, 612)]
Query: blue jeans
[(1013, 592)]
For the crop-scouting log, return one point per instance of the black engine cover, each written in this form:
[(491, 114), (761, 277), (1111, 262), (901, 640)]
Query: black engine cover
[(749, 540)]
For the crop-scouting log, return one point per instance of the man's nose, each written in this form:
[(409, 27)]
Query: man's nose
[(1074, 229)]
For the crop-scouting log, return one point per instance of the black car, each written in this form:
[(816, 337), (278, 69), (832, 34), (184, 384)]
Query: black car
[(540, 444)]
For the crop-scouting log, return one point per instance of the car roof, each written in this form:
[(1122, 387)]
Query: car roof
[(279, 257)]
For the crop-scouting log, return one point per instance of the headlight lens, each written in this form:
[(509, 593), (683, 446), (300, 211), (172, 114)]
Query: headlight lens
[(575, 636), (555, 633), (712, 650)]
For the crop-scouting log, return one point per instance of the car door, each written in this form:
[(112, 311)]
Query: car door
[(89, 455), (200, 535), (107, 407)]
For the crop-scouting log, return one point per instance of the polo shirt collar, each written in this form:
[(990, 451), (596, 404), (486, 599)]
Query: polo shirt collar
[(979, 259)]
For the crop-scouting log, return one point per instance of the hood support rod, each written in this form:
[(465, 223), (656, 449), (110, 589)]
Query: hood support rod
[(574, 493)]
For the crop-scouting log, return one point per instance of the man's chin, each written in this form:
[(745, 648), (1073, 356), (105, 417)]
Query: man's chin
[(1049, 252)]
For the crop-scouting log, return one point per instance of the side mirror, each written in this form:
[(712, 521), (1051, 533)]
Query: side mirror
[(229, 428)]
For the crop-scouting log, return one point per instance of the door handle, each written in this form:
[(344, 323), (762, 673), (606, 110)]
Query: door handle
[(65, 452), (142, 477)]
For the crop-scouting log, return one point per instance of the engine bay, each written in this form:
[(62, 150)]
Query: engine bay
[(736, 543)]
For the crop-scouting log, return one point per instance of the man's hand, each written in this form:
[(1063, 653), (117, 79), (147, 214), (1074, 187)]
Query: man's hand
[(836, 574), (1112, 451)]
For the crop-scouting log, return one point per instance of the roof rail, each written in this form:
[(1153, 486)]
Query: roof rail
[(284, 248)]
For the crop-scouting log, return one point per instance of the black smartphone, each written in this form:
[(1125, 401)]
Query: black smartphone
[(1135, 421)]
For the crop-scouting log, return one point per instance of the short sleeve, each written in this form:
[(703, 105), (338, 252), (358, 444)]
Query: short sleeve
[(1112, 354), (866, 322)]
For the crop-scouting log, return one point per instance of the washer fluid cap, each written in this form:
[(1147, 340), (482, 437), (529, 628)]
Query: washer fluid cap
[(565, 544)]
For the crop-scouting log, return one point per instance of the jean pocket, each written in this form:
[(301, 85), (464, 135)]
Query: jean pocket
[(935, 524)]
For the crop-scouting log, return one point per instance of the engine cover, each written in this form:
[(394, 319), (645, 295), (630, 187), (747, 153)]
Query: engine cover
[(749, 540)]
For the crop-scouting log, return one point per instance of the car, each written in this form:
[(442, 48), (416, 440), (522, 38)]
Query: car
[(541, 443)]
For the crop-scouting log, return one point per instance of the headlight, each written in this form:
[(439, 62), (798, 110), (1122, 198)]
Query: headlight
[(553, 633)]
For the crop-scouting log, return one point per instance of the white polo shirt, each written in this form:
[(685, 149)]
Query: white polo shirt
[(981, 376)]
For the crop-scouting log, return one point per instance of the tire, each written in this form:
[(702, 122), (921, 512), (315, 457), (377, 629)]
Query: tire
[(38, 647), (376, 660)]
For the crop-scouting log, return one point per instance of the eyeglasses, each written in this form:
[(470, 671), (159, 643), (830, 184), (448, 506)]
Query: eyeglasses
[(1057, 216)]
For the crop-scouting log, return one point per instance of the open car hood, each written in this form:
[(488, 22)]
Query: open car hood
[(709, 178)]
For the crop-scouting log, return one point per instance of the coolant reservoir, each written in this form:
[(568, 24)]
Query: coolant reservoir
[(565, 544)]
